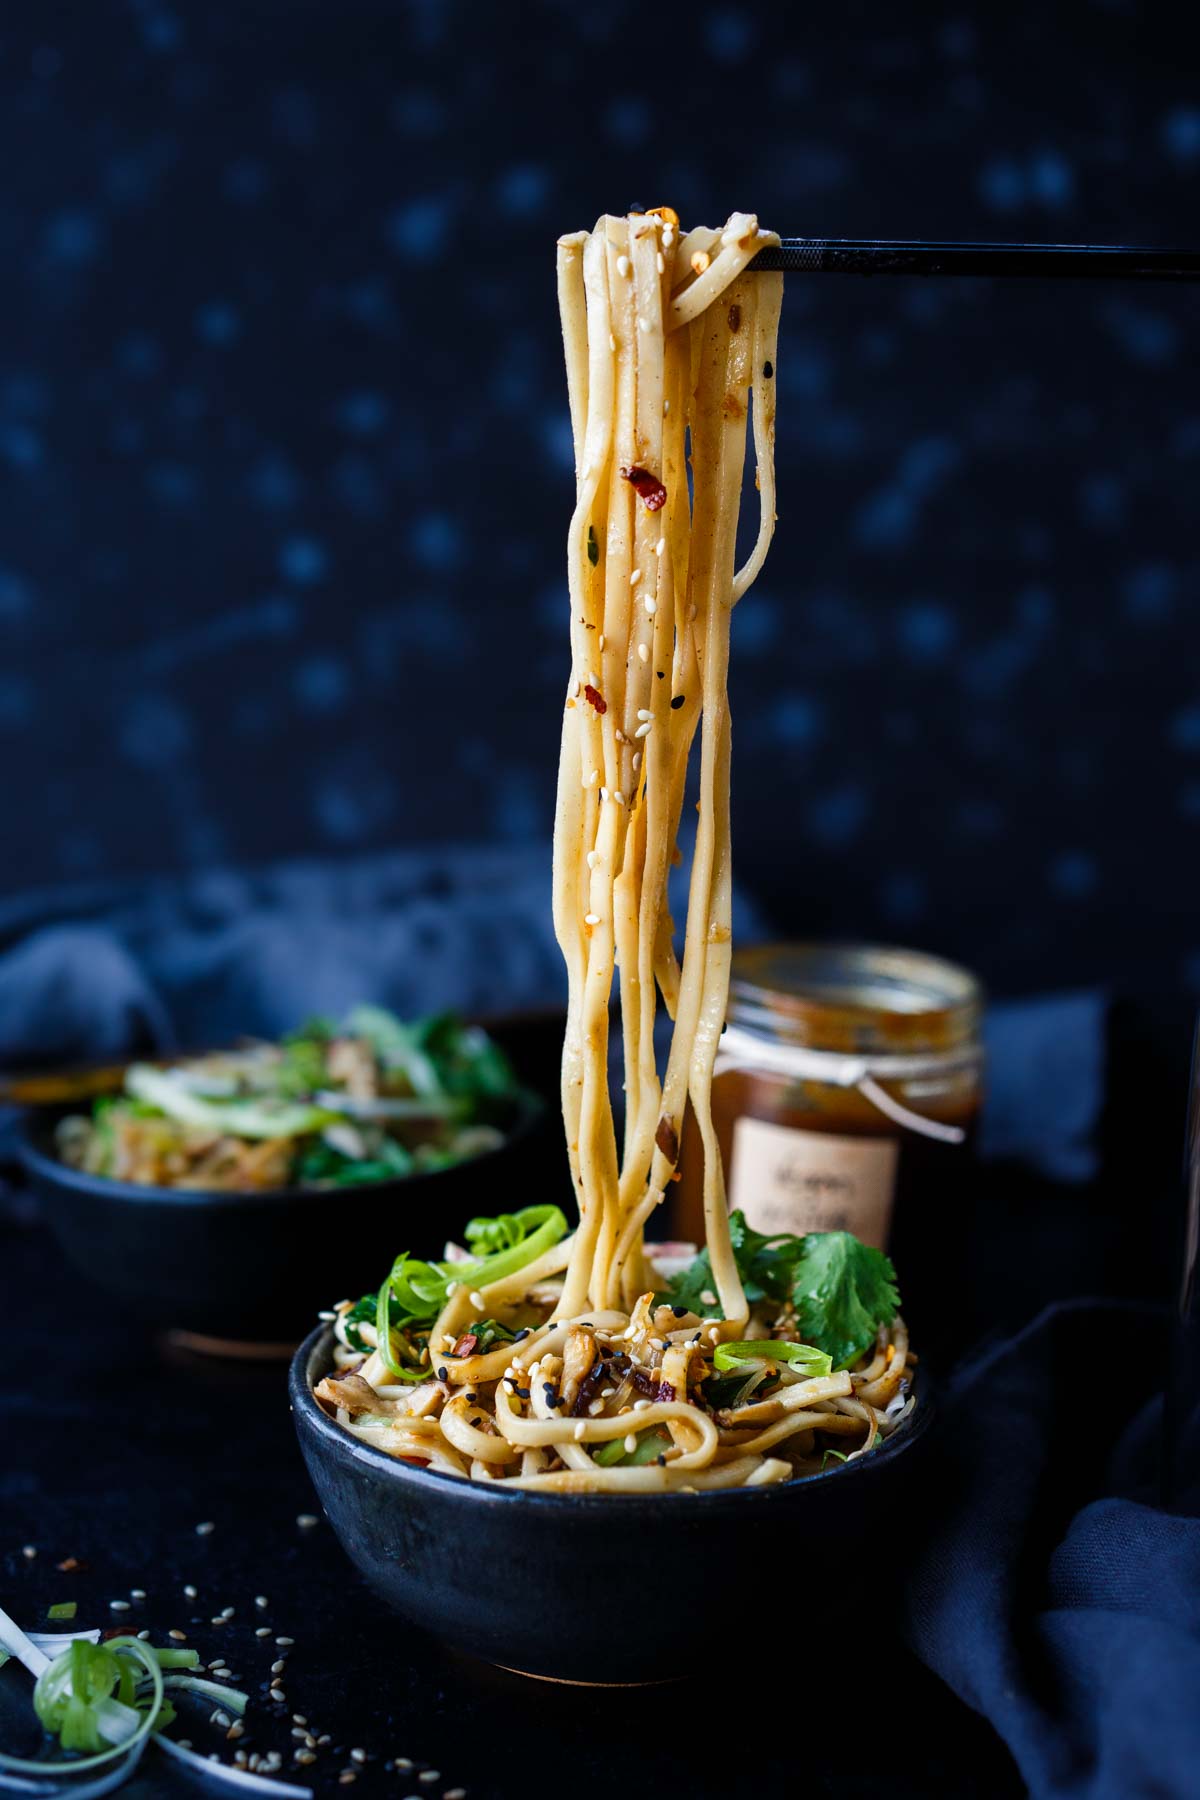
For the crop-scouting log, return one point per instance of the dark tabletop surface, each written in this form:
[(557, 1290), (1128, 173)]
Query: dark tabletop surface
[(114, 1448)]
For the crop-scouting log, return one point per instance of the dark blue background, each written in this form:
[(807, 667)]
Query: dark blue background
[(285, 466)]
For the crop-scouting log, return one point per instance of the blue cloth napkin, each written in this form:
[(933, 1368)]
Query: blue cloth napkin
[(99, 970), (1054, 1592)]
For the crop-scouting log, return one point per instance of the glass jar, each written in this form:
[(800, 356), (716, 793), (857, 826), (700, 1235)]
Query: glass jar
[(848, 1085)]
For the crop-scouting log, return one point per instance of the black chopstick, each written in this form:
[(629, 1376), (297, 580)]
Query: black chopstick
[(912, 256)]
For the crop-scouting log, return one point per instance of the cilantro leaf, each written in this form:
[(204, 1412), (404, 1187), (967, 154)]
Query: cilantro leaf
[(842, 1290), (764, 1263)]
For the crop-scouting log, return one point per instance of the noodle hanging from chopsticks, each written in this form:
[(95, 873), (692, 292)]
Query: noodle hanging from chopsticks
[(670, 352)]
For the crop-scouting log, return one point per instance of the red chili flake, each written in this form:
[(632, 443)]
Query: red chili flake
[(667, 1139), (648, 487), (595, 698), (70, 1565), (466, 1344)]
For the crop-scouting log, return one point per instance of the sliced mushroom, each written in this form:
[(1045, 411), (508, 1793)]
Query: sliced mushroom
[(579, 1353), (350, 1392)]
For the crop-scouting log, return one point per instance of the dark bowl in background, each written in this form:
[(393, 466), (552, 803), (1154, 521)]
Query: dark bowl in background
[(255, 1268), (610, 1589)]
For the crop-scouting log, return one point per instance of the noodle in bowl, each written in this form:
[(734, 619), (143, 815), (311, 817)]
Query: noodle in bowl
[(534, 1579)]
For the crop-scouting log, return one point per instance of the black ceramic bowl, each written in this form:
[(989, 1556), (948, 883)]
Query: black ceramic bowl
[(256, 1268), (606, 1588)]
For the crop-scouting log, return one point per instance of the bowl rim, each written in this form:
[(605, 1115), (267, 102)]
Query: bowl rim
[(42, 1165), (352, 1450)]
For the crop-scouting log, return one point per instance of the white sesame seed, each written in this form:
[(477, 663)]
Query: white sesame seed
[(189, 1592), (29, 1551), (714, 1336), (593, 857), (612, 342), (137, 1593), (592, 779), (580, 1430), (620, 736), (635, 578), (597, 1406), (600, 642), (430, 1775), (650, 603), (622, 265), (358, 1756), (288, 1641), (660, 546), (637, 760), (591, 918), (593, 679), (692, 611), (604, 793), (278, 1667), (263, 1631), (666, 408), (643, 325), (644, 712), (644, 652), (606, 1393), (143, 1635), (299, 1719), (662, 263), (179, 1636), (476, 1299), (708, 1298), (668, 239), (118, 1605), (645, 730), (631, 1443), (640, 1405), (618, 797), (227, 1612), (204, 1529)]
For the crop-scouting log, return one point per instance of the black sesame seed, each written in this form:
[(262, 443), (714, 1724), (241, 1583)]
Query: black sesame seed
[(524, 1333), (768, 370), (681, 1312), (662, 1459), (441, 1374), (659, 673), (676, 702)]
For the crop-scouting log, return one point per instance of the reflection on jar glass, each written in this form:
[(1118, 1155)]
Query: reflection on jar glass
[(848, 1086)]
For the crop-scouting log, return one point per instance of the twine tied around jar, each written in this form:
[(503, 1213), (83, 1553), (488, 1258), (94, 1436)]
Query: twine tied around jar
[(741, 1049)]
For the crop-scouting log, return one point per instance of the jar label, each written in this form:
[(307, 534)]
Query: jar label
[(788, 1180)]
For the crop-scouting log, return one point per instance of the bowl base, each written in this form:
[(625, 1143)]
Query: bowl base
[(198, 1343)]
